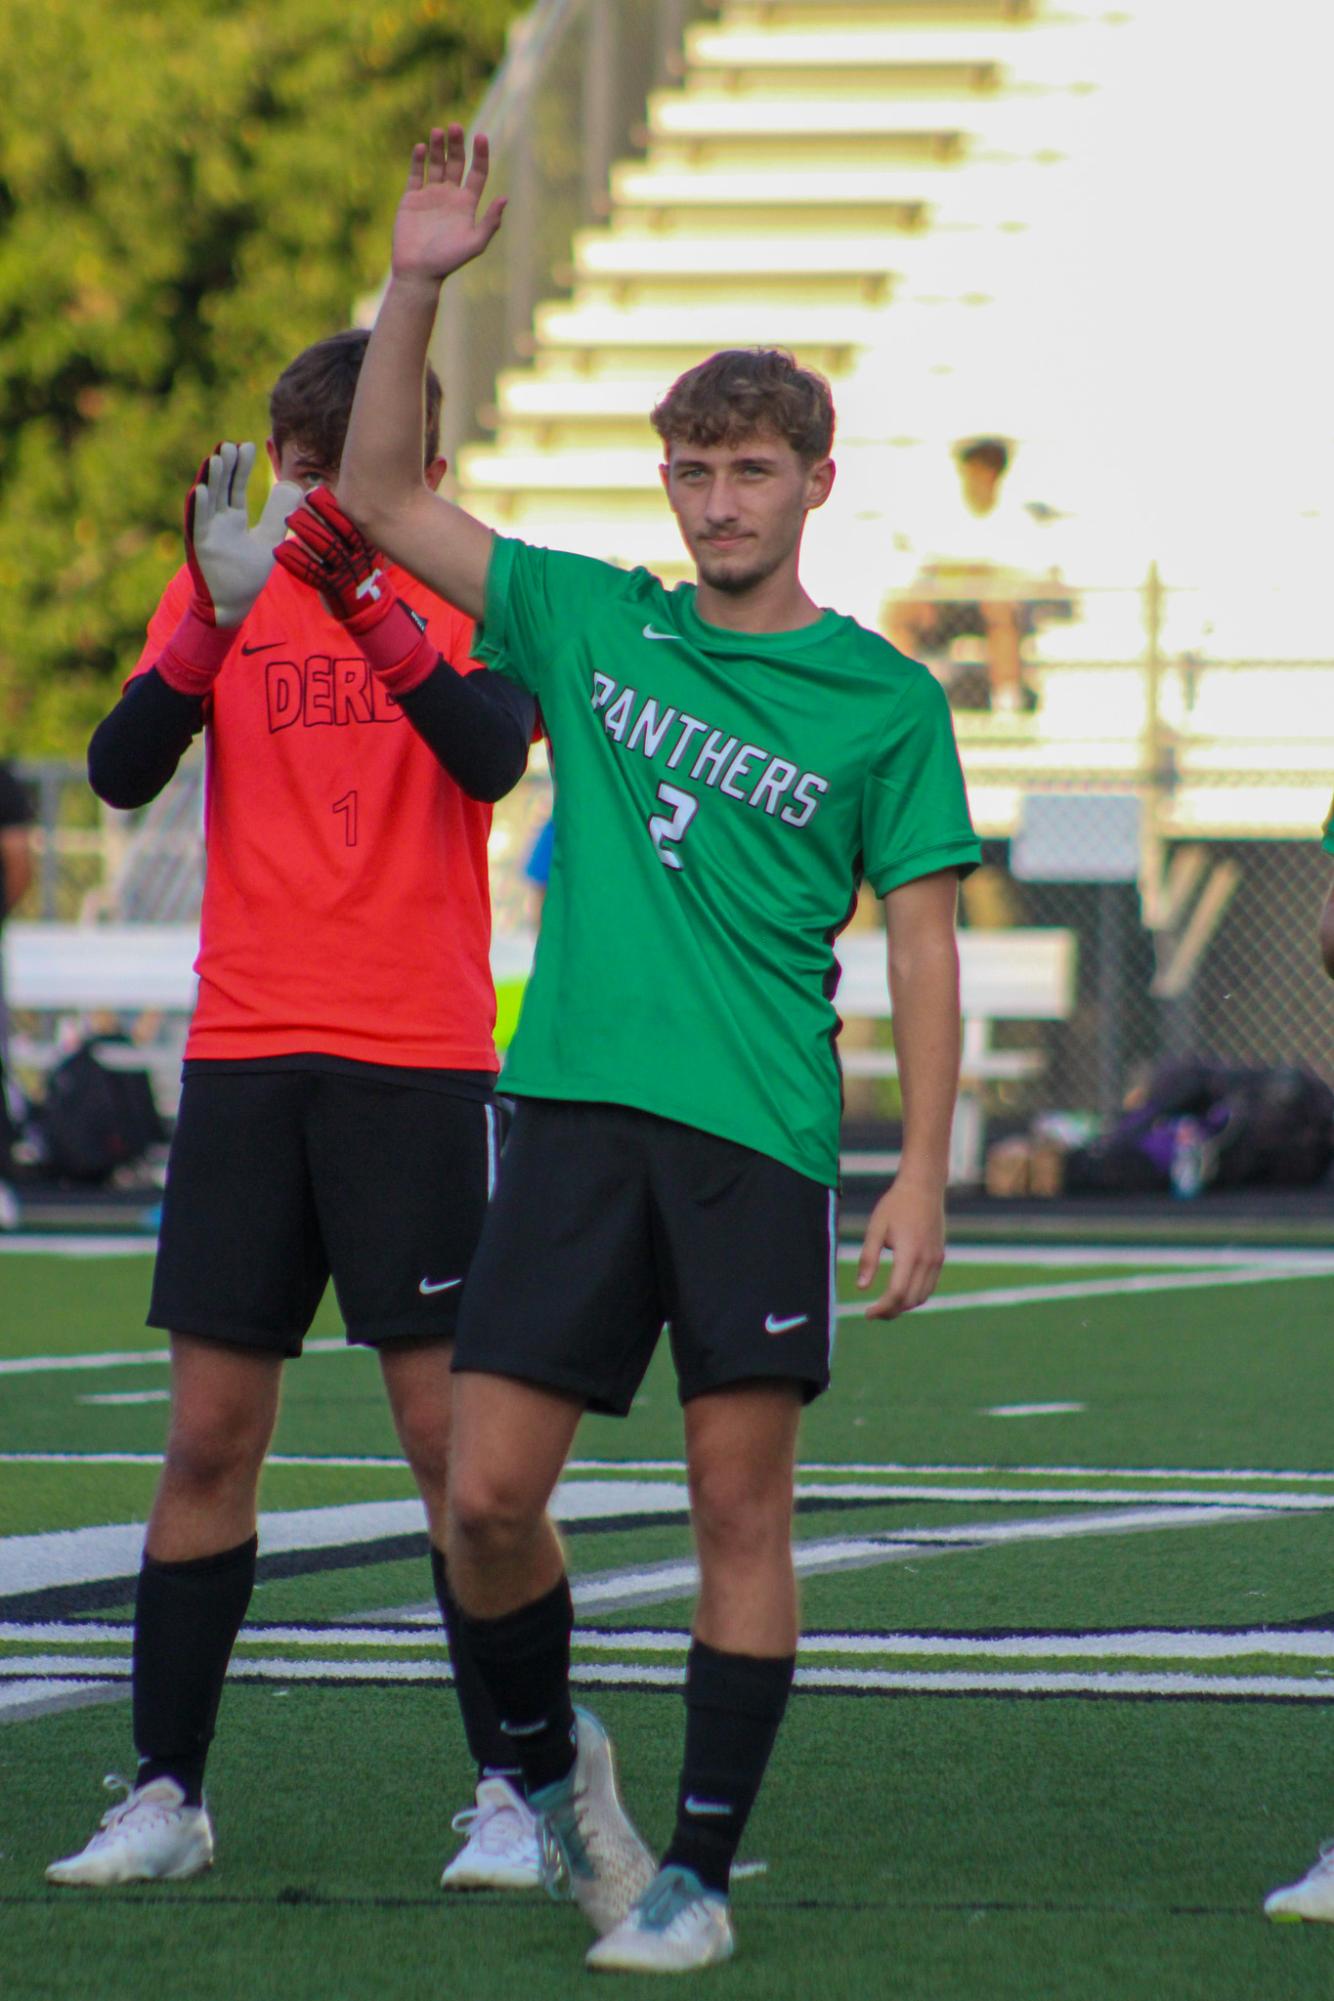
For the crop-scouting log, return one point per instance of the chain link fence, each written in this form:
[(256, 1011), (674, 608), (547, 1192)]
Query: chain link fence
[(1156, 809)]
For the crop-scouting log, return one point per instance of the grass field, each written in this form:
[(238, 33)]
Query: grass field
[(1065, 1706)]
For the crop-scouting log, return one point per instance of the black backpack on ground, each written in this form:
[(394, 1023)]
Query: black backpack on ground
[(94, 1119)]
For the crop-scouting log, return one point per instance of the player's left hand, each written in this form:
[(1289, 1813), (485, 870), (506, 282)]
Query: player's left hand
[(328, 551), (229, 560), (909, 1222)]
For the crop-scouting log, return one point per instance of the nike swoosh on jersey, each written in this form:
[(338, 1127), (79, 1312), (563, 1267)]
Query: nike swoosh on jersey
[(651, 632), (707, 1806), (430, 1285), (773, 1325), (259, 645)]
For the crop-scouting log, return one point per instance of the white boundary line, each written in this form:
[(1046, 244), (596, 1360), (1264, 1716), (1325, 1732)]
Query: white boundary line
[(1101, 1288), (1151, 1643), (129, 1245), (68, 1670), (1225, 1271)]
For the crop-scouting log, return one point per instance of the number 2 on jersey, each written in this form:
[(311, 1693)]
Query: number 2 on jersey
[(666, 828)]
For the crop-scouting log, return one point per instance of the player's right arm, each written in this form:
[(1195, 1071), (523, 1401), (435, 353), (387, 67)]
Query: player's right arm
[(380, 484)]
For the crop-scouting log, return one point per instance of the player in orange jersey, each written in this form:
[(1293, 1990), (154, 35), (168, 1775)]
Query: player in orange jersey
[(337, 1115)]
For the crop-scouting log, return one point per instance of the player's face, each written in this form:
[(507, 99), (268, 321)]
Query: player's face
[(299, 464), (741, 507)]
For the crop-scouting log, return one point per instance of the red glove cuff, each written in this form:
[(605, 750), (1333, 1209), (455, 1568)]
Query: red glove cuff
[(190, 660), (400, 653)]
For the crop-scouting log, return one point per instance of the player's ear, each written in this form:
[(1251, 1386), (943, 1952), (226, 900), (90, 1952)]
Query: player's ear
[(820, 482), (435, 472)]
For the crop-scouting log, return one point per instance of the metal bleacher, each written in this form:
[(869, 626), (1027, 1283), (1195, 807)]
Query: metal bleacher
[(832, 178)]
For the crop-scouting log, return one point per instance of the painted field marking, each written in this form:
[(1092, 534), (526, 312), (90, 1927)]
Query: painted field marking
[(143, 1244), (1146, 1256), (51, 1244), (1101, 1288), (1147, 1643), (1002, 1409), (127, 1396), (1250, 1268), (71, 1669), (133, 1358)]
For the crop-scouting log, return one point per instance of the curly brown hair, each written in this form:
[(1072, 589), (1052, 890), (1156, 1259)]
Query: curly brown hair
[(745, 390), (312, 399)]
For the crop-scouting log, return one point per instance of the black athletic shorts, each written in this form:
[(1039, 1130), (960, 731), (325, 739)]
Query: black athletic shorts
[(609, 1222), (280, 1178)]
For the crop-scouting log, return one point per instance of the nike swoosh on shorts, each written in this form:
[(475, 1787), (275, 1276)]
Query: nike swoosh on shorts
[(438, 1285), (773, 1325)]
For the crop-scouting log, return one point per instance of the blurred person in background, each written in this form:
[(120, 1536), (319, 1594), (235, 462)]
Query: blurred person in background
[(981, 565), (16, 871)]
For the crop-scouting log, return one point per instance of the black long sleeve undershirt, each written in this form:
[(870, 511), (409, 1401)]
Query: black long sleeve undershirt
[(136, 748), (478, 726)]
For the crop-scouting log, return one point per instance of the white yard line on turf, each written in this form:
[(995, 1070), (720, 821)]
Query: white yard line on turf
[(70, 1669), (143, 1245), (630, 1470), (1254, 1270), (34, 1365), (1150, 1643), (1147, 1256), (53, 1245), (1100, 1288)]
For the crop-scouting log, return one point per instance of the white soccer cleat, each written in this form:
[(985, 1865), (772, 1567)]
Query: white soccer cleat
[(152, 1835), (677, 1926), (591, 1848), (502, 1851), (1312, 1898)]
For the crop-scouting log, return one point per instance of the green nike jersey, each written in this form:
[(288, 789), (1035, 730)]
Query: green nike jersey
[(719, 796)]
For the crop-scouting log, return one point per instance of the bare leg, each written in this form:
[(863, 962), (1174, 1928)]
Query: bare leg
[(909, 625), (224, 1405), (510, 1442), (418, 1384), (1004, 665), (741, 1449)]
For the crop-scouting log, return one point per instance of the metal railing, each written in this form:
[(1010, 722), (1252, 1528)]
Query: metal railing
[(568, 100)]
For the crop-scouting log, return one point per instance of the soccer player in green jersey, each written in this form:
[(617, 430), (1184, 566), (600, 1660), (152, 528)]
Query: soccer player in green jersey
[(731, 760)]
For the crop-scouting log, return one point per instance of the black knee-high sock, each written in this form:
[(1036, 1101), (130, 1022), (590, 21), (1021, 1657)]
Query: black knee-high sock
[(186, 1618), (493, 1754), (734, 1705), (523, 1659)]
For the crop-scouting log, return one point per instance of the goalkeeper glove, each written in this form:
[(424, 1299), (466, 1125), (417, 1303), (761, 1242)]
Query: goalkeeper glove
[(327, 550), (229, 564)]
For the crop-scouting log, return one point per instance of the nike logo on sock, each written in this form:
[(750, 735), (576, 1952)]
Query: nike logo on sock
[(707, 1806), (773, 1325), (524, 1729), (430, 1285)]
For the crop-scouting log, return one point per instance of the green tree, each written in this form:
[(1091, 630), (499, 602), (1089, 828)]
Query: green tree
[(190, 192)]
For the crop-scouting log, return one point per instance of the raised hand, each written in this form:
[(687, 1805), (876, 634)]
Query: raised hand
[(437, 229), (229, 560), (329, 552)]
